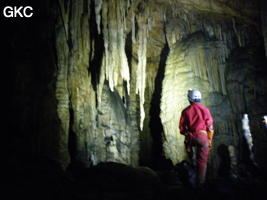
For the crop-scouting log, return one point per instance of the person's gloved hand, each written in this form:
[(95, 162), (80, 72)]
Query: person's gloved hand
[(210, 137), (210, 145)]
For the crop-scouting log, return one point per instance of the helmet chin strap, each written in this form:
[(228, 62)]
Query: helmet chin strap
[(194, 100), (194, 96)]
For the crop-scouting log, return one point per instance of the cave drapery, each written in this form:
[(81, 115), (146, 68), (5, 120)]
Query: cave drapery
[(103, 80)]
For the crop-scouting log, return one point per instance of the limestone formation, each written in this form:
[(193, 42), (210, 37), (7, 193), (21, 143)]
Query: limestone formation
[(105, 81)]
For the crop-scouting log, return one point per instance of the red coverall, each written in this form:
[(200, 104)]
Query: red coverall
[(195, 121)]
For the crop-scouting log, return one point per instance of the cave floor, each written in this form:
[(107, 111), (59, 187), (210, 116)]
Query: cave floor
[(114, 181)]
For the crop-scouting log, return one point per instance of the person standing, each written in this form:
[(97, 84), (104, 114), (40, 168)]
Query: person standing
[(196, 124)]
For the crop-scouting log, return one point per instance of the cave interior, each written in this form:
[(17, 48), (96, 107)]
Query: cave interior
[(92, 93)]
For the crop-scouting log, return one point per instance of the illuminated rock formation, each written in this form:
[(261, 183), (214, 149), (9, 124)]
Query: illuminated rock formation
[(117, 74)]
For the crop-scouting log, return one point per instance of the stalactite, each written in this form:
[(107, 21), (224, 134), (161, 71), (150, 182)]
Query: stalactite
[(98, 4), (105, 59), (124, 67), (62, 92), (115, 64), (209, 61), (143, 26), (237, 34), (74, 90), (202, 42), (133, 26), (199, 60), (64, 12)]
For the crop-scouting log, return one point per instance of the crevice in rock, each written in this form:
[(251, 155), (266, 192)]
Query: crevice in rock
[(155, 124)]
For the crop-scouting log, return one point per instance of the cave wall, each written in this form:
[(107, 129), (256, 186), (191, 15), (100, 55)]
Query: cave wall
[(214, 52), (96, 81), (29, 121)]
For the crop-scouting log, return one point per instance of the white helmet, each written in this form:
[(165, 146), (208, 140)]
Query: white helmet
[(194, 96)]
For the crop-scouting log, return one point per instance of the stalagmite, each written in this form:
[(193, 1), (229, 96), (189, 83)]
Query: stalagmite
[(247, 135), (233, 159)]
